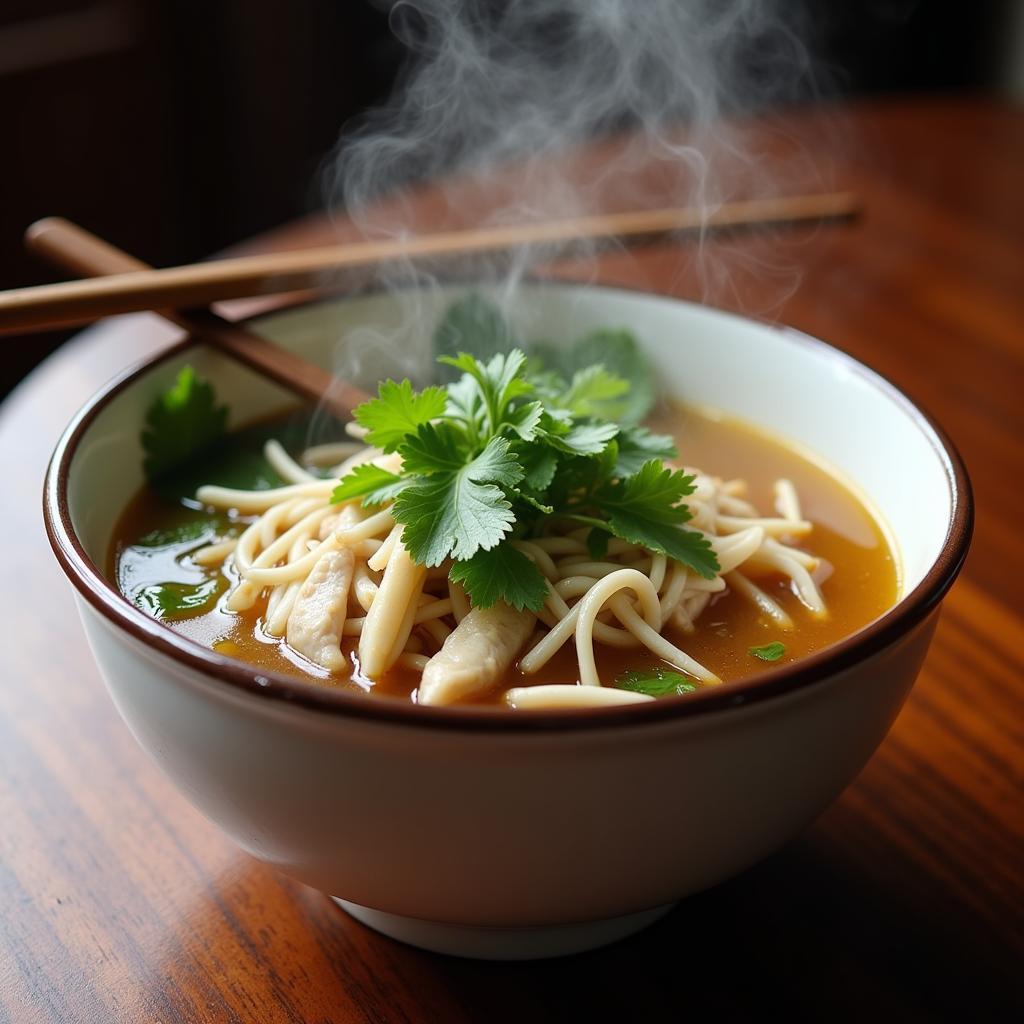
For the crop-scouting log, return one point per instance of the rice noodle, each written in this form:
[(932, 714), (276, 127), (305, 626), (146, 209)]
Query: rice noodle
[(284, 465), (214, 554), (563, 695), (398, 611), (331, 454)]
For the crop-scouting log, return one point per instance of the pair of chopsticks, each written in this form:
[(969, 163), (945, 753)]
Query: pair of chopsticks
[(119, 283)]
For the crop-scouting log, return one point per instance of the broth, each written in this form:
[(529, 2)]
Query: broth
[(858, 574)]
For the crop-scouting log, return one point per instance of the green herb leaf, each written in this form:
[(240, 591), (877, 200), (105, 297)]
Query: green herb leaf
[(638, 445), (594, 391), (181, 422), (397, 411), (510, 442), (172, 601), (524, 419), (498, 383), (501, 574), (187, 589), (768, 652), (646, 509), (529, 499), (434, 448), (657, 682), (375, 485), (457, 512), (539, 463), (472, 325), (589, 438), (620, 356)]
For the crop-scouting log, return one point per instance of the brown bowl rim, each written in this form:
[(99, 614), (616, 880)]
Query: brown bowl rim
[(103, 596)]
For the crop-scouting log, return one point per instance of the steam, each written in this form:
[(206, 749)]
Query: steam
[(495, 97)]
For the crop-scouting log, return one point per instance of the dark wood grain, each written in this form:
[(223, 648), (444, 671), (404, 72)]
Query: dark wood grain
[(904, 901)]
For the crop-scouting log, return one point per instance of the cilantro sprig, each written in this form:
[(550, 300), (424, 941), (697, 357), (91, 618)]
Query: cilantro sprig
[(505, 446), (768, 652), (656, 682), (182, 421)]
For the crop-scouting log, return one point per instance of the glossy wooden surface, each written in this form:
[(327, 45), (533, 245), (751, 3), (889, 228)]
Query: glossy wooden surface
[(904, 901)]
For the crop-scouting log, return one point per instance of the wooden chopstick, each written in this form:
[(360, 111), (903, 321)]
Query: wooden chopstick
[(77, 302), (69, 246)]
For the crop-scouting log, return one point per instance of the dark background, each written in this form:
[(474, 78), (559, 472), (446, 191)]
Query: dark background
[(177, 127)]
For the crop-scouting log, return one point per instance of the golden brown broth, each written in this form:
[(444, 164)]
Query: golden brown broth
[(859, 581)]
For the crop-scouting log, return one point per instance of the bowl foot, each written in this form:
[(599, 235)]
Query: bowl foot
[(503, 943)]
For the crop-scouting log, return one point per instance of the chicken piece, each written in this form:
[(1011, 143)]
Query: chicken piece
[(478, 651), (318, 616)]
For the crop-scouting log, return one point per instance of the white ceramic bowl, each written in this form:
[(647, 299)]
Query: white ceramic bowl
[(492, 834)]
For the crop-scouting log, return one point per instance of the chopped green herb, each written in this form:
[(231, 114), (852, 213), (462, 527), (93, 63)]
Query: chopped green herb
[(618, 355), (181, 422), (769, 652), (647, 509), (487, 457), (457, 507), (371, 483), (638, 445), (472, 325), (172, 600), (603, 374), (594, 391), (501, 574), (398, 411), (657, 682), (156, 572)]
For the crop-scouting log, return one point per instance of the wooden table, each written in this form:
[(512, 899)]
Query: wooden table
[(904, 901)]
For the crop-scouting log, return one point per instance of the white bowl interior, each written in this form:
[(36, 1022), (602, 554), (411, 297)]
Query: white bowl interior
[(772, 377)]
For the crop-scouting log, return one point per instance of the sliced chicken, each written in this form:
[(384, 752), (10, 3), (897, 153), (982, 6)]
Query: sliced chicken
[(318, 616), (476, 654)]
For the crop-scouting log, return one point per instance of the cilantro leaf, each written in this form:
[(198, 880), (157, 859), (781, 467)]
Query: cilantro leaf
[(458, 512), (655, 489), (657, 682), (181, 422), (472, 325), (530, 500), (186, 589), (619, 354), (434, 448), (174, 600), (645, 509), (498, 382), (509, 441), (524, 419), (374, 484), (501, 574), (539, 463), (768, 652), (397, 411), (584, 438), (638, 445), (594, 391)]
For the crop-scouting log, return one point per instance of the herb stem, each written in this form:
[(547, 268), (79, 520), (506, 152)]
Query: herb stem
[(599, 524)]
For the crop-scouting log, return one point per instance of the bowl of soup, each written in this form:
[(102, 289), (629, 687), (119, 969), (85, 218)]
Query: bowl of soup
[(524, 655)]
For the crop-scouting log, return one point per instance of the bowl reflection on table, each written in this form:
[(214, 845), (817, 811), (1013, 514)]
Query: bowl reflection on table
[(488, 833)]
